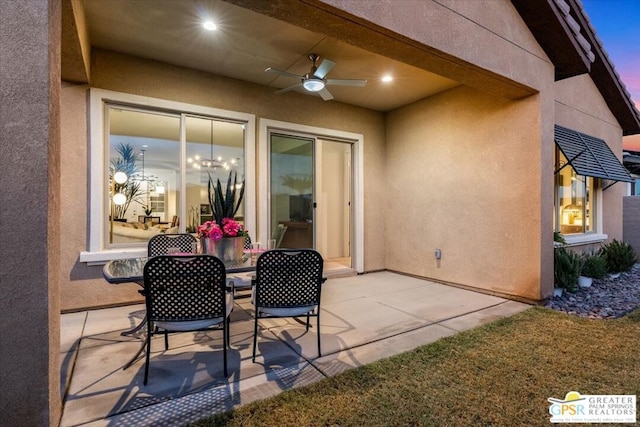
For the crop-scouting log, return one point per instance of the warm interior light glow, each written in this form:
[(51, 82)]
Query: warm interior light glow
[(387, 78), (160, 189), (119, 199), (210, 26), (313, 85)]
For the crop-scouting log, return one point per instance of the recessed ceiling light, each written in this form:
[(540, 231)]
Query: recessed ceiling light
[(210, 25), (387, 78)]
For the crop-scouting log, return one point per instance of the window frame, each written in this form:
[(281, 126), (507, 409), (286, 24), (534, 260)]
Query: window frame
[(98, 251)]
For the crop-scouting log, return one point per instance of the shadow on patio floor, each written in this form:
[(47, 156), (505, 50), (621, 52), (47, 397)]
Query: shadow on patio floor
[(364, 318)]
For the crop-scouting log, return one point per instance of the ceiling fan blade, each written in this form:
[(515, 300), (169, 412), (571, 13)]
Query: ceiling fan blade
[(283, 73), (347, 82), (325, 66), (325, 94), (287, 89)]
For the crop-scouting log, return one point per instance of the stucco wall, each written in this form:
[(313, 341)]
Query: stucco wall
[(83, 286), (580, 106), (463, 177), (631, 221), (29, 213), (487, 47)]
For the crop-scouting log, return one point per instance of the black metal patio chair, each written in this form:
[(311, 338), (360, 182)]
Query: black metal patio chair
[(288, 284), (185, 294), (242, 281), (160, 243)]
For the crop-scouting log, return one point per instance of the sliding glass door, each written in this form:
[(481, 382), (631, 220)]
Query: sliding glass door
[(292, 195), (310, 195)]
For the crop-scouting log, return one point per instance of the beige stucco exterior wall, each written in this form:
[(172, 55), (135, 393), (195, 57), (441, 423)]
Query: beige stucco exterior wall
[(457, 34), (82, 285), (580, 106), (464, 177), (29, 213)]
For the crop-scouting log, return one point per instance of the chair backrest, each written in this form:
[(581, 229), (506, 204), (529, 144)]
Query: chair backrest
[(247, 242), (175, 221), (288, 278), (160, 243), (184, 288)]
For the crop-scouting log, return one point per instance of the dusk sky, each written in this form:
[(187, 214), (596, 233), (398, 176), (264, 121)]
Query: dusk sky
[(617, 24)]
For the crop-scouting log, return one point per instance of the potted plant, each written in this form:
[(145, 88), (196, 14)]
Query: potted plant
[(620, 256), (225, 204), (566, 269), (593, 266), (224, 236)]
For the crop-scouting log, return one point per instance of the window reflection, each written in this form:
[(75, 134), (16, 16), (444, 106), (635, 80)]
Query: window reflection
[(214, 148)]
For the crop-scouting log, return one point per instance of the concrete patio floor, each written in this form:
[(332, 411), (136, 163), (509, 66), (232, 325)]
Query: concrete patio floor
[(364, 318)]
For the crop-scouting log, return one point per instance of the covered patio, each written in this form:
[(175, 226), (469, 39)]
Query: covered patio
[(364, 318)]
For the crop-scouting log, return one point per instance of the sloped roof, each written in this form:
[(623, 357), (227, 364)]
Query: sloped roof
[(565, 33)]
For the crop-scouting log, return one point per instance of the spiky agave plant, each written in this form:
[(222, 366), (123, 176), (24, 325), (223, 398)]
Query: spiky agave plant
[(223, 203)]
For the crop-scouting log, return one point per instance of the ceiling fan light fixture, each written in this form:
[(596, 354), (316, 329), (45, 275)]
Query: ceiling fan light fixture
[(313, 84)]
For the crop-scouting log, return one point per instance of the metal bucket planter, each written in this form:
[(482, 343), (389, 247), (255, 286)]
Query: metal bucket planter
[(227, 248)]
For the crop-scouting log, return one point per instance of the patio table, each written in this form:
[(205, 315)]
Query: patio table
[(131, 270)]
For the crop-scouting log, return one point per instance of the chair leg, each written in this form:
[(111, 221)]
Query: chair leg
[(166, 339), (255, 336), (225, 343), (146, 364), (308, 322), (318, 332)]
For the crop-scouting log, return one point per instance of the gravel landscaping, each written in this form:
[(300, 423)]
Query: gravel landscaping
[(605, 299)]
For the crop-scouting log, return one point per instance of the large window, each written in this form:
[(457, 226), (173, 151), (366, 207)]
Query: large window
[(150, 167), (146, 146), (574, 199)]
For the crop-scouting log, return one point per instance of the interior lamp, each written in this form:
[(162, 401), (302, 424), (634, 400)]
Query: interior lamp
[(573, 214), (313, 84), (117, 199), (160, 189), (120, 177)]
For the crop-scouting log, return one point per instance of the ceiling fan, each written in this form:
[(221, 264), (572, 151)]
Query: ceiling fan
[(315, 80)]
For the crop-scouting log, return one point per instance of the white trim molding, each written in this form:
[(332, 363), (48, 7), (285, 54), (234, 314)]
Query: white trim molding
[(97, 252)]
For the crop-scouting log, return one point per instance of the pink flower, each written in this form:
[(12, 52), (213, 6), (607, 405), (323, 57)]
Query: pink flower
[(211, 230), (230, 227)]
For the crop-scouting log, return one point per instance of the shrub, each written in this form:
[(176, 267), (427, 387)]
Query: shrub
[(566, 269), (620, 256), (594, 266)]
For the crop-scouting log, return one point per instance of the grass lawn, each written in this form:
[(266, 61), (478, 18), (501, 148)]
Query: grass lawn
[(500, 374)]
